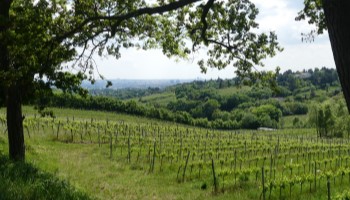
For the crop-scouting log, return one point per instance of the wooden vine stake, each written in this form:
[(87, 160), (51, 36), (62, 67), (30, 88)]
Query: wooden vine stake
[(328, 188), (58, 129), (178, 172), (184, 173), (214, 176), (129, 150), (263, 182), (110, 147), (315, 177), (154, 157), (99, 137)]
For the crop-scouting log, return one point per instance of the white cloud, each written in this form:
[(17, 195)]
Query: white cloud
[(303, 56), (279, 16), (152, 64), (275, 15)]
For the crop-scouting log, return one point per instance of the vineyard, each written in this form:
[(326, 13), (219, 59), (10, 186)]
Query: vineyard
[(277, 165)]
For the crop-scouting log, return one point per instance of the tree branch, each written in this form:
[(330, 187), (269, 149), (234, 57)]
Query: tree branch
[(147, 10), (206, 9)]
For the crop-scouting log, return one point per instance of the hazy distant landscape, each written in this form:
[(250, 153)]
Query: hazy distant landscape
[(132, 83)]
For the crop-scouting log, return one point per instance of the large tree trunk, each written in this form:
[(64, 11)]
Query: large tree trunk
[(12, 91), (15, 123), (337, 13)]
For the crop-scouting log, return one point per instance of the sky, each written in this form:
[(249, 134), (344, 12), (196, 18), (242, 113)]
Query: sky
[(275, 15)]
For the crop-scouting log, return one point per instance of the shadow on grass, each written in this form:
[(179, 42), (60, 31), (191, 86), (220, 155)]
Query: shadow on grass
[(24, 181)]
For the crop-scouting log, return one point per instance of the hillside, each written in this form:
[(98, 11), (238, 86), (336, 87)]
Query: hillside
[(113, 156), (221, 104), (156, 146)]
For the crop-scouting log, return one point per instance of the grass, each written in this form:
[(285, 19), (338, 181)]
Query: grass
[(88, 169), (161, 99), (232, 90), (89, 114), (288, 120), (24, 181)]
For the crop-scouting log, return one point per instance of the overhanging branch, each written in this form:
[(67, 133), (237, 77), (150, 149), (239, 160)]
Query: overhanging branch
[(206, 9), (118, 19)]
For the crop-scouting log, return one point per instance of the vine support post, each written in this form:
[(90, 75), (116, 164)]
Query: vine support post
[(129, 150), (184, 173), (99, 137), (110, 146), (315, 171), (328, 188), (214, 176), (154, 156), (263, 182)]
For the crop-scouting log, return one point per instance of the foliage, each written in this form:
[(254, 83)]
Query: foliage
[(330, 121), (34, 54), (201, 100), (250, 121), (313, 12), (296, 108), (269, 110), (128, 93)]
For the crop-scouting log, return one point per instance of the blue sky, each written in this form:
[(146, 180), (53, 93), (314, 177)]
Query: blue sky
[(275, 15)]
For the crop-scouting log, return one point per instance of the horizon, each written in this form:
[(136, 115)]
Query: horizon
[(200, 78)]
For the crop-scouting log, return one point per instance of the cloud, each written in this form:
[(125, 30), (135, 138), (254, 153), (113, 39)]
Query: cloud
[(152, 64), (275, 15), (279, 16)]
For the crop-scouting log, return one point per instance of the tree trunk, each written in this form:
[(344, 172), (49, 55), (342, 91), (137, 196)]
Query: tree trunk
[(12, 90), (15, 123), (337, 13)]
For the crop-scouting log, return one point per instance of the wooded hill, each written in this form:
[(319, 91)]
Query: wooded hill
[(220, 104)]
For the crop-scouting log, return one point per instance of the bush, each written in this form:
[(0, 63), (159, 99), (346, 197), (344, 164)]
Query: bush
[(268, 109), (266, 121), (250, 121), (297, 108), (202, 122)]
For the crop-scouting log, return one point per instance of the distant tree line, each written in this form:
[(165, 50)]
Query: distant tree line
[(320, 78), (200, 104), (127, 93)]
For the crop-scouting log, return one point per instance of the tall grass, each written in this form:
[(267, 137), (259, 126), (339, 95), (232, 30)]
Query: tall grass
[(23, 181)]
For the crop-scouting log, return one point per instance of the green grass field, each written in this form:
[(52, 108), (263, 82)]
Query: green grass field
[(161, 99), (113, 157), (232, 90), (164, 98)]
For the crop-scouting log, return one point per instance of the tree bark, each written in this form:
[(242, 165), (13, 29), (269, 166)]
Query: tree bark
[(15, 123), (337, 14), (12, 91)]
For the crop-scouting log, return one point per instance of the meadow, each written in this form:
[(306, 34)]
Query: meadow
[(114, 156)]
